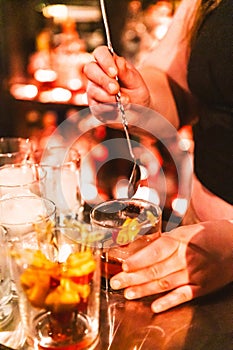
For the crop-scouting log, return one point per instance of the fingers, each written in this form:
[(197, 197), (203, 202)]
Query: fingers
[(97, 94), (174, 298), (108, 75), (107, 69), (159, 250), (152, 280), (102, 73), (114, 66), (171, 273), (106, 61), (97, 76)]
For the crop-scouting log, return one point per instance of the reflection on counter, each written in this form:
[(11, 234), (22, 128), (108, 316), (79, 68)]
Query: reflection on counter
[(204, 324)]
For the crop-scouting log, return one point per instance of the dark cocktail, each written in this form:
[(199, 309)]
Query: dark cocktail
[(128, 225)]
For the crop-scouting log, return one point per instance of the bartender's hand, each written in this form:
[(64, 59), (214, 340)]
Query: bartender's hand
[(102, 84), (188, 262)]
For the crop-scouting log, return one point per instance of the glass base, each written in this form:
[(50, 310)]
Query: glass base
[(64, 332)]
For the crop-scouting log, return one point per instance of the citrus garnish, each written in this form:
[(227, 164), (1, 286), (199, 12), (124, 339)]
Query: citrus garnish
[(53, 285), (86, 235), (131, 227), (58, 286)]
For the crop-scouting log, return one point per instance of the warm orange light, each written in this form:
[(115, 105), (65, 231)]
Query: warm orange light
[(24, 91), (45, 75), (56, 95), (62, 95), (55, 11), (80, 99), (62, 12), (147, 193), (74, 84)]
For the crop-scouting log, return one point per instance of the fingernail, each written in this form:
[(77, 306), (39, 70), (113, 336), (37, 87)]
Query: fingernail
[(112, 87), (115, 284), (157, 308), (130, 294), (112, 71), (125, 267)]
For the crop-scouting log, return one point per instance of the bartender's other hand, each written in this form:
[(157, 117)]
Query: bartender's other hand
[(188, 262), (103, 86)]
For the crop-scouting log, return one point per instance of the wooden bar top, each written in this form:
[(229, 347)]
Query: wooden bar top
[(202, 324)]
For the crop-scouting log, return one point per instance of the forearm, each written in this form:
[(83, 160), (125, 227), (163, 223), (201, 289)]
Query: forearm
[(161, 96), (172, 101)]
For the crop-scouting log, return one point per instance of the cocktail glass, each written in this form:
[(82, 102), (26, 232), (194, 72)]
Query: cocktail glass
[(128, 225)]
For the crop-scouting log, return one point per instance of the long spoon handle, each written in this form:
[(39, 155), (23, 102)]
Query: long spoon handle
[(118, 96)]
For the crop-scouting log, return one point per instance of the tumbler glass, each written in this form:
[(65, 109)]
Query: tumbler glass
[(57, 274), (15, 150), (21, 213), (22, 179), (62, 180), (128, 225)]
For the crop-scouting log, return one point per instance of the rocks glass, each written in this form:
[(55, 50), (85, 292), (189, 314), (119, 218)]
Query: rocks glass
[(57, 274), (62, 180), (22, 179), (19, 214), (128, 225)]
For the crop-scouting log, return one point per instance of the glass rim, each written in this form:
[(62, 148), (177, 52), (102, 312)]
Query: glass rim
[(51, 212), (122, 200), (64, 161), (26, 165), (9, 139)]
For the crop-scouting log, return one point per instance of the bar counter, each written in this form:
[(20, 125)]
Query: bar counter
[(202, 324)]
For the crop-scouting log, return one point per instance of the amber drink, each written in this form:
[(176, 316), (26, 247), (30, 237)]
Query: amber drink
[(128, 225), (58, 281)]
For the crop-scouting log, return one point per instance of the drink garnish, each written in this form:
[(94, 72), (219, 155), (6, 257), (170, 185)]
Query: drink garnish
[(131, 227), (58, 286), (53, 285), (86, 236)]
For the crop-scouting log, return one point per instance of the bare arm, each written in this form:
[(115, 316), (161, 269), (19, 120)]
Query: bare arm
[(149, 85), (164, 69)]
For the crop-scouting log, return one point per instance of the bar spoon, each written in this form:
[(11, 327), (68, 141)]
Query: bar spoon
[(135, 172)]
